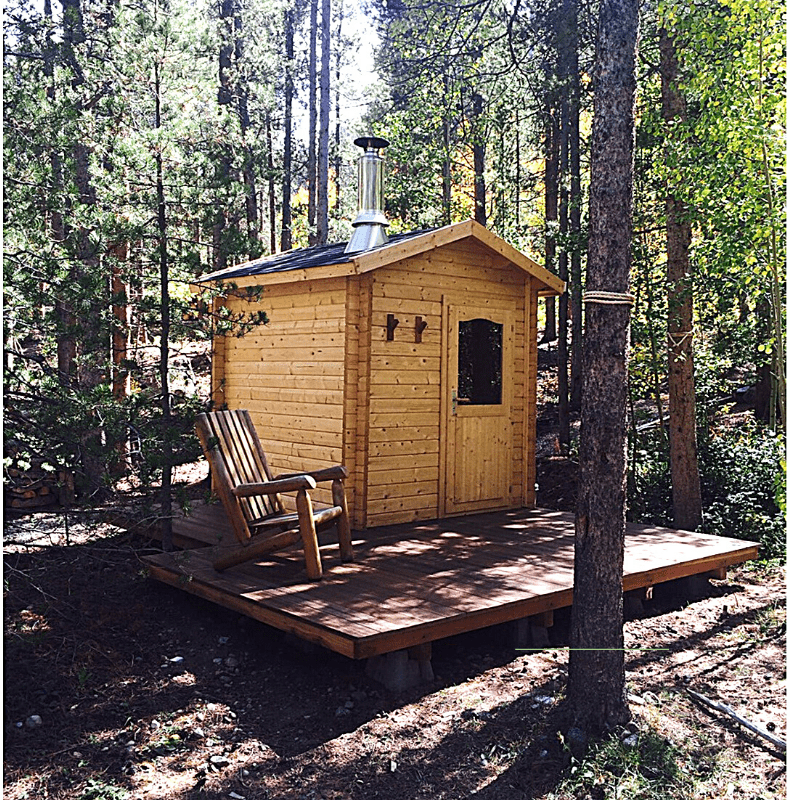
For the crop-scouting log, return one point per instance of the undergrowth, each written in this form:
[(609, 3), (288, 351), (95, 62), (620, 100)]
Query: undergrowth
[(743, 483), (643, 767)]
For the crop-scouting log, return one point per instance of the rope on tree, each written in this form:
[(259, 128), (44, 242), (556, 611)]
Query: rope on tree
[(609, 298)]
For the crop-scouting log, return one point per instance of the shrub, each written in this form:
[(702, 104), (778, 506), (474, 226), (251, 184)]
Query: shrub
[(743, 475), (743, 483)]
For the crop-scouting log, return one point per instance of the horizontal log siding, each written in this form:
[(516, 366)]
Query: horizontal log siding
[(404, 434), (290, 375)]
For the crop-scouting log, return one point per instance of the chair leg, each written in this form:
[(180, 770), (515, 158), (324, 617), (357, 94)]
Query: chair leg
[(343, 522), (308, 531)]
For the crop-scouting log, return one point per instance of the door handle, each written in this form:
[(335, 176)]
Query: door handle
[(459, 400)]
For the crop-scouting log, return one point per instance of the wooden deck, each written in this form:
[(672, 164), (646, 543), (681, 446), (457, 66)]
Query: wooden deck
[(415, 583)]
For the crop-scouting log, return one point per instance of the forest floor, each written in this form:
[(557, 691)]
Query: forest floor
[(117, 686)]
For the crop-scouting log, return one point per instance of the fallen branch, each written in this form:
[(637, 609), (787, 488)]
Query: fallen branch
[(779, 743)]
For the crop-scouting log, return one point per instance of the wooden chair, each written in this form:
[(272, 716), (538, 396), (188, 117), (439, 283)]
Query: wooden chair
[(251, 495)]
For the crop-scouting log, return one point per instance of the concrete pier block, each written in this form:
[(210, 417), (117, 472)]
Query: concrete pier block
[(532, 631), (402, 669)]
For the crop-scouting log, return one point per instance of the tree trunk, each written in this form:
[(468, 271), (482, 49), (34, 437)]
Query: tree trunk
[(120, 333), (596, 684), (120, 311), (337, 131), (324, 120), (517, 172), (288, 92), (165, 493), (479, 159), (648, 278), (687, 508), (65, 338), (447, 165), (563, 263), (224, 98), (273, 227), (254, 248), (551, 217), (763, 388), (312, 127), (83, 346), (576, 288)]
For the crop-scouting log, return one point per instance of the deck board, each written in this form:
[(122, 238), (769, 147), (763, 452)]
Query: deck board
[(418, 582)]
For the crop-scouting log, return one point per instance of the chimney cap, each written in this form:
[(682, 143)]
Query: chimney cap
[(371, 142)]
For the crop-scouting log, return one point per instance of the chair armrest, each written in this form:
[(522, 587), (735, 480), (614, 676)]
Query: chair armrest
[(293, 483), (339, 472)]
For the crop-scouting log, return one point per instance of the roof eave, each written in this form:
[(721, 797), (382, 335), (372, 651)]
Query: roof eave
[(392, 252)]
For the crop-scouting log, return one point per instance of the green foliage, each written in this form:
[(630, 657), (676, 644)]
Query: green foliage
[(101, 790), (462, 78), (82, 143), (649, 768), (743, 484), (724, 160)]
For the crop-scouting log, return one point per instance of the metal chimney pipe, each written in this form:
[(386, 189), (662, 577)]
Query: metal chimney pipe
[(370, 224)]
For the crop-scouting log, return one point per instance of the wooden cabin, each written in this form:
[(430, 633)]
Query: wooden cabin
[(413, 364)]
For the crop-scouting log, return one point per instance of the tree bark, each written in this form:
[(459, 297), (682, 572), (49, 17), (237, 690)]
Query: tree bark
[(576, 288), (66, 350), (224, 99), (563, 263), (337, 131), (273, 227), (312, 127), (248, 169), (165, 492), (596, 684), (764, 408), (324, 120), (447, 166), (288, 93), (551, 217), (687, 508), (120, 311), (479, 158)]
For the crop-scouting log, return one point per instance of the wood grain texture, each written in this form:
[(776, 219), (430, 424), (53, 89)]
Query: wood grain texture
[(414, 583)]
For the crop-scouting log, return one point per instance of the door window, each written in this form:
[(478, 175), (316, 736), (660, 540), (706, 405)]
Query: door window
[(480, 362)]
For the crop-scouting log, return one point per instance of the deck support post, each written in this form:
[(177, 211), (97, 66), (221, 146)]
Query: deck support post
[(634, 600), (531, 632), (402, 669), (689, 588), (719, 574)]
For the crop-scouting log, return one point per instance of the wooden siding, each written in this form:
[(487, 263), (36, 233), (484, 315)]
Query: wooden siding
[(290, 373), (405, 430), (324, 386)]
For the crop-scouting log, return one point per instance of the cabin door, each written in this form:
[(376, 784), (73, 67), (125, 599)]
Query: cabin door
[(477, 408)]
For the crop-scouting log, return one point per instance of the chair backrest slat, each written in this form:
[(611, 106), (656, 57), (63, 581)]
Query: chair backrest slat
[(242, 460), (239, 451), (212, 439), (275, 503)]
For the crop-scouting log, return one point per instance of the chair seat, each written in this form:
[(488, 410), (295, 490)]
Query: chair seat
[(320, 517)]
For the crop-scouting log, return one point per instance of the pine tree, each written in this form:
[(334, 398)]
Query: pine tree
[(596, 684)]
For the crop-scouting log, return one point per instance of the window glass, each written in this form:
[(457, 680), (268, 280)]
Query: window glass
[(480, 362)]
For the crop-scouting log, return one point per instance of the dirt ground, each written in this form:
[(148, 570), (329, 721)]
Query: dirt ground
[(117, 686)]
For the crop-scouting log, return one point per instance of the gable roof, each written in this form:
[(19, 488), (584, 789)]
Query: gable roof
[(330, 260)]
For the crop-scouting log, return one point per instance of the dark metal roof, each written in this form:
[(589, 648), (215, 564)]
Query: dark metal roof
[(304, 258)]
